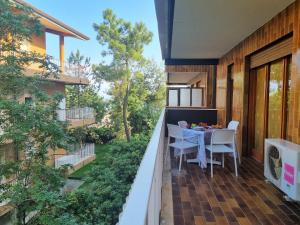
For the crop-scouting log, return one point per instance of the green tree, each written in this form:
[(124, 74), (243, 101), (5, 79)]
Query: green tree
[(125, 43), (82, 95), (31, 128), (147, 98)]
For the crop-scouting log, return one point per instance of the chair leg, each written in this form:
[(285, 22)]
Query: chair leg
[(211, 165), (237, 152), (222, 160), (180, 160), (235, 164)]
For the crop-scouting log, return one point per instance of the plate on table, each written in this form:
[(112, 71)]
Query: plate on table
[(198, 128)]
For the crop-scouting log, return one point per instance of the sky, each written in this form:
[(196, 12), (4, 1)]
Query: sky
[(81, 15)]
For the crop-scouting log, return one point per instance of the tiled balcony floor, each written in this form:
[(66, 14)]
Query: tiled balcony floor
[(198, 199)]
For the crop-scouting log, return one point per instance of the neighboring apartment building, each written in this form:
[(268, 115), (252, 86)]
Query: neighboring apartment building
[(70, 75)]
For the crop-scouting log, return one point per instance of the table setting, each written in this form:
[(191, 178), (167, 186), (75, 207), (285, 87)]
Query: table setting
[(202, 133)]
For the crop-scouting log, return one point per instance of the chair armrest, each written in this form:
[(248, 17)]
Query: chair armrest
[(177, 137), (190, 137)]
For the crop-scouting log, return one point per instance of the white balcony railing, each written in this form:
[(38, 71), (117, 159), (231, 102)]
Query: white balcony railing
[(76, 157), (80, 113), (71, 69), (143, 203)]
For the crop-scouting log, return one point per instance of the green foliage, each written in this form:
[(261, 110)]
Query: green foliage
[(82, 95), (125, 43), (100, 135), (30, 128), (16, 29), (107, 186), (147, 98), (86, 96), (102, 151)]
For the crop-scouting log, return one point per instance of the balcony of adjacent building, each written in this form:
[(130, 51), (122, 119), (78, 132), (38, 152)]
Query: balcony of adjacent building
[(77, 116), (69, 74), (78, 157)]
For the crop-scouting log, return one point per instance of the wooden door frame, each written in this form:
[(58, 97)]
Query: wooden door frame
[(229, 94), (251, 100), (251, 113), (287, 61)]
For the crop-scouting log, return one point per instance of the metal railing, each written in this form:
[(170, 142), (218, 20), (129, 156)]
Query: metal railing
[(76, 157), (143, 203), (71, 69), (80, 113)]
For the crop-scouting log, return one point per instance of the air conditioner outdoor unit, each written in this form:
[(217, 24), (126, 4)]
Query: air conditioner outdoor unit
[(282, 166)]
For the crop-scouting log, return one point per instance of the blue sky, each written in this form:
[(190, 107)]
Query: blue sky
[(81, 15)]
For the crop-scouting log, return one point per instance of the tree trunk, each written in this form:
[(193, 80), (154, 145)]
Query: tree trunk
[(20, 216), (124, 109)]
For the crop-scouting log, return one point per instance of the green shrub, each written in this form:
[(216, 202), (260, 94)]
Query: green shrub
[(107, 187), (101, 135)]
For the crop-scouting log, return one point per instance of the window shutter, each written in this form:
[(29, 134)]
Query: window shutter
[(272, 53)]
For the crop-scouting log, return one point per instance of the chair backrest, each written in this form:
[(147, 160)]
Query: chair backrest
[(223, 136), (182, 124), (175, 131), (233, 125)]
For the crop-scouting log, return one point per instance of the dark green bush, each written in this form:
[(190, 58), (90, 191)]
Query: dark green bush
[(107, 187), (101, 135)]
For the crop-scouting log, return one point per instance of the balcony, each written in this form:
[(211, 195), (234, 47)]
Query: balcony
[(71, 73), (77, 116), (165, 196), (78, 158)]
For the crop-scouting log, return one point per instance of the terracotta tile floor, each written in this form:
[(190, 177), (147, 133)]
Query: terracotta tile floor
[(198, 199)]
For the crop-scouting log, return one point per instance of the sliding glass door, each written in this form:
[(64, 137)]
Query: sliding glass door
[(268, 104), (275, 99)]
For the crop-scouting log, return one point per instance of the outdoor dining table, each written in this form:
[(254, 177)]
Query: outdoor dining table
[(202, 137)]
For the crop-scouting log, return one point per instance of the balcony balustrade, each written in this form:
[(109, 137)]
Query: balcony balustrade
[(146, 190), (80, 113), (70, 69), (74, 158)]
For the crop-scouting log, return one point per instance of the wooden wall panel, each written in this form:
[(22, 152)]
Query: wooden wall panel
[(281, 25)]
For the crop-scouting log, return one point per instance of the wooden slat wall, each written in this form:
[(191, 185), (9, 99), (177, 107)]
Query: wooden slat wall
[(281, 25), (209, 69)]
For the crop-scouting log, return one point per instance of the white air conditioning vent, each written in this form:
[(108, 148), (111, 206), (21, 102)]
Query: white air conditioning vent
[(282, 166)]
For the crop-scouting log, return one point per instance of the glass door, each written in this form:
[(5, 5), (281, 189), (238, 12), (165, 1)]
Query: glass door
[(275, 100), (269, 102)]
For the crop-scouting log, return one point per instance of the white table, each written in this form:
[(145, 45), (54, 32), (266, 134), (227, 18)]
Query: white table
[(203, 138)]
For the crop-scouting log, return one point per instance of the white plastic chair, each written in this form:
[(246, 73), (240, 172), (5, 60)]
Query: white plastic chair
[(182, 124), (181, 142), (222, 141), (233, 125)]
